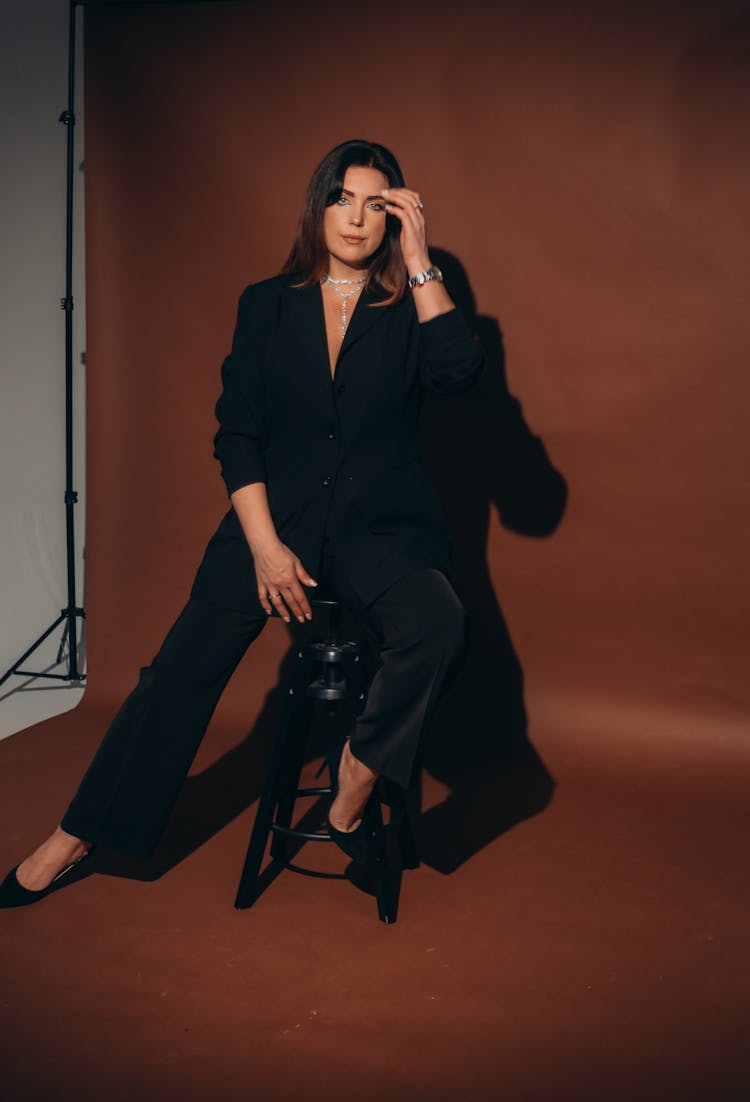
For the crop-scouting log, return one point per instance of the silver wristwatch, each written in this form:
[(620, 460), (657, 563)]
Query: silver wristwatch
[(424, 277)]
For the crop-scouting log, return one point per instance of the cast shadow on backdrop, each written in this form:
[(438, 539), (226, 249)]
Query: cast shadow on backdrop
[(481, 453)]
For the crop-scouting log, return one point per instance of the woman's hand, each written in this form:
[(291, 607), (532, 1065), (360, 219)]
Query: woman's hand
[(406, 205), (430, 298), (278, 572)]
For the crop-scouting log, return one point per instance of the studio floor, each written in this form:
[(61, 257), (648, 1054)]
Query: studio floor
[(574, 932)]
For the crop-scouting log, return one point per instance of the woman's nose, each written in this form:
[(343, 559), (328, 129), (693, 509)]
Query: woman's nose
[(357, 216)]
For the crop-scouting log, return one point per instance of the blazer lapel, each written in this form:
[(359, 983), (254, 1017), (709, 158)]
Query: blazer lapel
[(362, 319), (306, 317), (306, 324)]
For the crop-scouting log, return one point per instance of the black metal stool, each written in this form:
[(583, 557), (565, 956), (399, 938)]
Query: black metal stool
[(332, 671)]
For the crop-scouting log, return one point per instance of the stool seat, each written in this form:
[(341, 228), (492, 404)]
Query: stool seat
[(336, 672)]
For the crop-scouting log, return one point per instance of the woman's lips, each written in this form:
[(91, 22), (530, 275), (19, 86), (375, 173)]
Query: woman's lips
[(353, 240)]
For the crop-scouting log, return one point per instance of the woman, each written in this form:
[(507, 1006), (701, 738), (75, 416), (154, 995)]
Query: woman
[(318, 448)]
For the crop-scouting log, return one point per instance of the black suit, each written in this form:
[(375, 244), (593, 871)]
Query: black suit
[(350, 494), (340, 457)]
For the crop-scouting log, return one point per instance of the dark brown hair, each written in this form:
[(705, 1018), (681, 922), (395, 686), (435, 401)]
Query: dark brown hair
[(387, 271)]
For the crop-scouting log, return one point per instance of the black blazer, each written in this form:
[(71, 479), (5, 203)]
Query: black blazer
[(340, 456)]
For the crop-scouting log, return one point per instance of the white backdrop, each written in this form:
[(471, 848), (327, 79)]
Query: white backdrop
[(33, 86)]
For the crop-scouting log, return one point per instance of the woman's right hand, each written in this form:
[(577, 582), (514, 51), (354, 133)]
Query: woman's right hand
[(279, 572)]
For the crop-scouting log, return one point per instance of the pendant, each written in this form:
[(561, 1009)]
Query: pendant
[(345, 296)]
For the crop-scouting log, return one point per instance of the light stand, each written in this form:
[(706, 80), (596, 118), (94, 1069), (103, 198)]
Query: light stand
[(68, 615)]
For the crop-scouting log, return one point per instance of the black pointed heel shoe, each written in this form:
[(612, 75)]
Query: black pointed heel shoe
[(352, 842), (13, 894)]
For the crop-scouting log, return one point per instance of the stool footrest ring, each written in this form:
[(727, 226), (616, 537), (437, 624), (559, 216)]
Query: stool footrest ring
[(306, 835)]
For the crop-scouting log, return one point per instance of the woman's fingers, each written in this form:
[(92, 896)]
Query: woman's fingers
[(297, 601), (270, 599), (403, 207), (287, 595), (278, 597), (302, 574), (402, 202), (278, 572), (406, 205), (294, 594), (283, 600), (409, 217), (404, 195)]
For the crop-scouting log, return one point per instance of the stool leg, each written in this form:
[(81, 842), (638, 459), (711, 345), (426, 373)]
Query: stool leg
[(291, 778), (247, 891), (379, 857), (404, 832)]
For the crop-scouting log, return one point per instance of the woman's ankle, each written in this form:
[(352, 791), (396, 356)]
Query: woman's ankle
[(362, 768), (64, 836)]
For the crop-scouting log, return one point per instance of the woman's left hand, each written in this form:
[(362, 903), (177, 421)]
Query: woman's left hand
[(406, 205)]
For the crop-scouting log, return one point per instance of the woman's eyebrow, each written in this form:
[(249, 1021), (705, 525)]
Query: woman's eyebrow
[(346, 191)]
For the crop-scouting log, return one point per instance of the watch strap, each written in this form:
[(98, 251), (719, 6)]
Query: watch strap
[(433, 272)]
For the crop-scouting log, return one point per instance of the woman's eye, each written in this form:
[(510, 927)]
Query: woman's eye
[(378, 206), (342, 199)]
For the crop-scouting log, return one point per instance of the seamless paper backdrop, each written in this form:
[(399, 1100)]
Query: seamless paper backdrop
[(585, 174)]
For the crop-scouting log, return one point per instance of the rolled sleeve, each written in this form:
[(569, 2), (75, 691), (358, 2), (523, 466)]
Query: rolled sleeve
[(451, 359), (240, 441)]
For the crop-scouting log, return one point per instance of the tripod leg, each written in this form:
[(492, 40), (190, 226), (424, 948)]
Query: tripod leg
[(63, 638), (15, 668)]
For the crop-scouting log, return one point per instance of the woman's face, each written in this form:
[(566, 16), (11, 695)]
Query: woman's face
[(354, 225)]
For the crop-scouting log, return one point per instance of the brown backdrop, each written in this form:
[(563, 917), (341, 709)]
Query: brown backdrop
[(585, 172), (585, 164)]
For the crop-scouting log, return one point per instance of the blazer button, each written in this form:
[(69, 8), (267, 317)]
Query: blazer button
[(327, 480), (340, 388), (331, 435)]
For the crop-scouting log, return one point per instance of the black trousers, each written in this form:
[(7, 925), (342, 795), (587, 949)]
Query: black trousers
[(127, 794)]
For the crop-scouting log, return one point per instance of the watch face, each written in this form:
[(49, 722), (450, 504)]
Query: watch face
[(438, 273)]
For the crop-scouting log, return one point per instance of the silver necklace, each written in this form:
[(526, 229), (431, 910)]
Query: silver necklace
[(345, 295)]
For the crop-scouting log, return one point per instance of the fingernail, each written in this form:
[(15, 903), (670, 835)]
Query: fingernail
[(308, 616), (385, 191), (312, 582)]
